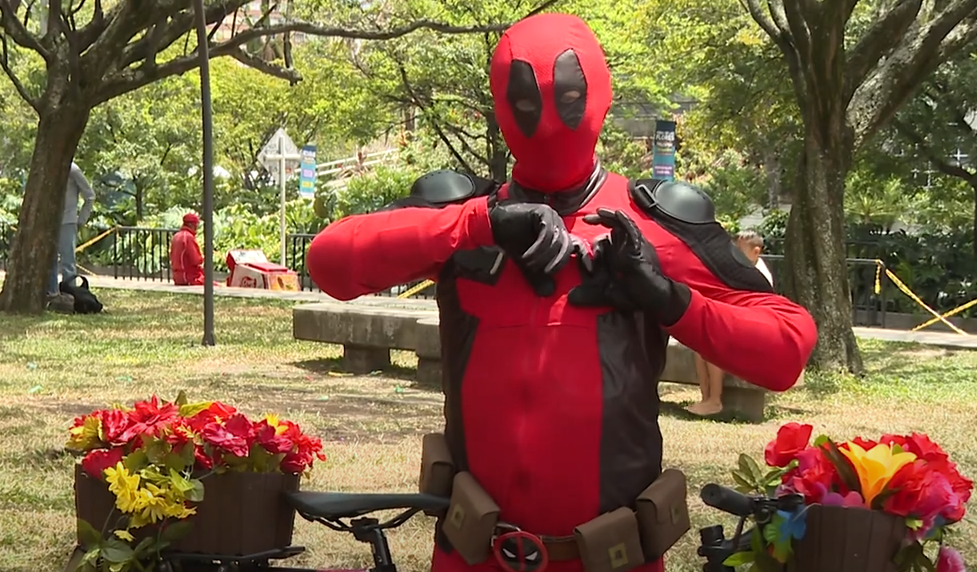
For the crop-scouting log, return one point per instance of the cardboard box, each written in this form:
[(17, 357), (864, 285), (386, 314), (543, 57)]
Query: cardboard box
[(251, 269)]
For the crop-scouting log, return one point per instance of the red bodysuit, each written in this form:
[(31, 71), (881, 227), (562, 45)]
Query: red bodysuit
[(554, 408)]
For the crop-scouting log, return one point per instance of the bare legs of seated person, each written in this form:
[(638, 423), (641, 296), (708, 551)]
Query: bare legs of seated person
[(711, 385)]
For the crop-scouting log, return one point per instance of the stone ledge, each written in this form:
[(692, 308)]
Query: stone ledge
[(368, 333)]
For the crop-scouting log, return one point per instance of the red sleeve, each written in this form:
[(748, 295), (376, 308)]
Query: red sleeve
[(177, 248), (365, 254), (762, 338), (196, 258)]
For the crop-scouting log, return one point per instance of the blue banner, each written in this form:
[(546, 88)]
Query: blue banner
[(307, 175), (663, 162)]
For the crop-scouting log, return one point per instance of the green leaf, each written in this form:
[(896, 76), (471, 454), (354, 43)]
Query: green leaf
[(90, 557), (924, 562), (116, 551), (196, 494), (841, 464), (743, 483), (179, 483), (750, 467), (771, 532), (176, 530), (88, 535), (136, 461), (739, 559), (821, 440), (191, 409), (181, 399)]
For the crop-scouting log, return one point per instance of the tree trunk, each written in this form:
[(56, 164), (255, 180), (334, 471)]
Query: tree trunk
[(60, 128), (496, 150), (815, 251)]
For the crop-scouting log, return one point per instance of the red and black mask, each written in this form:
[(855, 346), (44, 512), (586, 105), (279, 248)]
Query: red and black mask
[(552, 91)]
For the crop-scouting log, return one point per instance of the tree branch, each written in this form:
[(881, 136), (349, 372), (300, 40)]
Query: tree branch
[(878, 41), (932, 156), (263, 66), (18, 31), (18, 85), (128, 79), (930, 40)]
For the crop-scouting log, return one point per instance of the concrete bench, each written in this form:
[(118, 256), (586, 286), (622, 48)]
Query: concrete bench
[(739, 397), (368, 333)]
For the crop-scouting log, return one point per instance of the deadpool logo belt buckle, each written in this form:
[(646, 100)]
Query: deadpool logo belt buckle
[(516, 550)]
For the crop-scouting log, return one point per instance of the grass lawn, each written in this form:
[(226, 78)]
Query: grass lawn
[(53, 368)]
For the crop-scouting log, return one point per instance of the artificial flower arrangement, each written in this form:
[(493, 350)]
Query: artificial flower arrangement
[(154, 458), (907, 476)]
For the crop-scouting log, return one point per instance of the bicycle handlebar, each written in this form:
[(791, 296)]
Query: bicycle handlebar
[(728, 500)]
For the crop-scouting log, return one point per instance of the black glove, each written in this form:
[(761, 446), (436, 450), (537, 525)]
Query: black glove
[(534, 236), (625, 273)]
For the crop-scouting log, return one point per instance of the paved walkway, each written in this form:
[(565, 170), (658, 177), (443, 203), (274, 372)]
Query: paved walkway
[(939, 339)]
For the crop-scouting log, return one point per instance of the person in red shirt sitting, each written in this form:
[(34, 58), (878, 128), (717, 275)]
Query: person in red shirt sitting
[(186, 261)]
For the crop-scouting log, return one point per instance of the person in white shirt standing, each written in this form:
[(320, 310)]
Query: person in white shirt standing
[(71, 220), (711, 376)]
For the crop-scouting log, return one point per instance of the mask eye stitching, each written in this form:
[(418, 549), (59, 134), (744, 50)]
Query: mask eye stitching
[(569, 89), (524, 97)]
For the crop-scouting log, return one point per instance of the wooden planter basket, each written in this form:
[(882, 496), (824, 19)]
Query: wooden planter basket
[(241, 514), (840, 539)]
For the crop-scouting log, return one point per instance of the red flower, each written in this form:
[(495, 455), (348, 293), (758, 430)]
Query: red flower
[(296, 462), (95, 462), (179, 435), (792, 438), (814, 476), (217, 412), (148, 418), (234, 436), (270, 440), (921, 492), (114, 425), (203, 459), (919, 445)]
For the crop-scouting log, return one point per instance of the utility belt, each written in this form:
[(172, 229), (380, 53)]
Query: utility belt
[(615, 541)]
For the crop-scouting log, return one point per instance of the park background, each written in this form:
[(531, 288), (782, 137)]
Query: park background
[(419, 103)]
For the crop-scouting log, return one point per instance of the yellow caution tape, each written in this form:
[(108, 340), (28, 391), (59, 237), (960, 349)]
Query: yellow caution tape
[(905, 290), (952, 312), (416, 289), (96, 239)]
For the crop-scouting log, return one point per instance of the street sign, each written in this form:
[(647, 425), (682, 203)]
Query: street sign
[(307, 176), (280, 146), (278, 154)]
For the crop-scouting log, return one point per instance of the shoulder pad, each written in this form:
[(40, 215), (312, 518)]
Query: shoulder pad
[(446, 187), (677, 199), (688, 214)]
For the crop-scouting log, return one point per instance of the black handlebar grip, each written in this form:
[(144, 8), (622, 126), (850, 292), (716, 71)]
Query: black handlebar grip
[(727, 500)]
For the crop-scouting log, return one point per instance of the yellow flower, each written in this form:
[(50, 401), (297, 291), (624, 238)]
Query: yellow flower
[(875, 467), (86, 435), (124, 486), (274, 422), (124, 535)]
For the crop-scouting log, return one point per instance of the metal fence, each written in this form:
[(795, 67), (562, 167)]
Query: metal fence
[(136, 253)]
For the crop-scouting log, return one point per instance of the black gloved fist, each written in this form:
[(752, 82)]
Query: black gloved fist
[(534, 236), (624, 273)]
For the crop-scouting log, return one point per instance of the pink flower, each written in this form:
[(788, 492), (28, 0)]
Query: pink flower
[(949, 561), (852, 499)]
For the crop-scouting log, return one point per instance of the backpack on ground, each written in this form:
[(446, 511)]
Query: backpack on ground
[(85, 300)]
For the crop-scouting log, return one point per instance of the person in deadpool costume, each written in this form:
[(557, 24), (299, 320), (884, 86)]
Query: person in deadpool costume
[(551, 369)]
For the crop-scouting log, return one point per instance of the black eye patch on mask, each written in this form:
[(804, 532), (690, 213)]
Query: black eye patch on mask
[(524, 97), (569, 89)]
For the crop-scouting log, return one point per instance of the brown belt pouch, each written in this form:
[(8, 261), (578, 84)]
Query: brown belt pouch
[(610, 542), (437, 467), (471, 519), (663, 513)]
